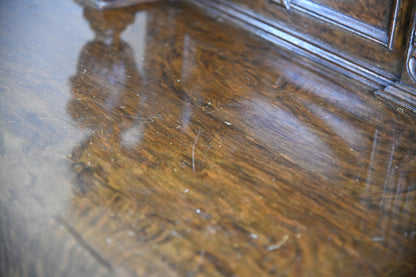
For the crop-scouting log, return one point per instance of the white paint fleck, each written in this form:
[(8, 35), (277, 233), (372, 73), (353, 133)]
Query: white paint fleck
[(228, 123), (186, 191), (254, 236), (279, 244), (198, 211)]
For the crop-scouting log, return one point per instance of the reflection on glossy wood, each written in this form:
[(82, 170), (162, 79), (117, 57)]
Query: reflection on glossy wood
[(177, 148), (373, 12)]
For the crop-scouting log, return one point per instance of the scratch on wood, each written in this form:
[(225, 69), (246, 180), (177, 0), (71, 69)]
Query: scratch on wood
[(193, 149), (201, 259), (203, 158), (77, 236), (151, 118)]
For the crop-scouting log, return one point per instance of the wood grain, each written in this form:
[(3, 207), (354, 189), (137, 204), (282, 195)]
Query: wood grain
[(339, 37), (157, 141), (373, 12)]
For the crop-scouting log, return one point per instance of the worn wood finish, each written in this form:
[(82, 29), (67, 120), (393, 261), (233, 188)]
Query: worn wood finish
[(185, 147)]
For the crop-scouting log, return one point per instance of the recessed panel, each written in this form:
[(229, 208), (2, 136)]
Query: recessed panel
[(376, 13)]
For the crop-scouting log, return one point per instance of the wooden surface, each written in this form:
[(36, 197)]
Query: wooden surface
[(374, 12), (332, 28), (184, 147)]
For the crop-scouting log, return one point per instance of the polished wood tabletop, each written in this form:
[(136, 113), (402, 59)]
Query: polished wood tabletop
[(157, 140)]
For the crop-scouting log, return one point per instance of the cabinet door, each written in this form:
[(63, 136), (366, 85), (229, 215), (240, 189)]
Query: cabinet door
[(376, 13), (374, 20), (360, 35)]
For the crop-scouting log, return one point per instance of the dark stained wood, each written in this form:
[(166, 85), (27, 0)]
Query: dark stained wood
[(403, 91), (355, 41), (363, 39), (157, 141), (374, 12)]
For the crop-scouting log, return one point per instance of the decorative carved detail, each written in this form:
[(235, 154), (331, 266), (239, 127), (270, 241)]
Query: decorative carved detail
[(411, 57), (403, 91), (283, 3)]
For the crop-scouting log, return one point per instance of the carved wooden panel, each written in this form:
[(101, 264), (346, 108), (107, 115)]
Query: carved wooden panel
[(327, 29), (370, 19), (376, 13)]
